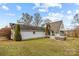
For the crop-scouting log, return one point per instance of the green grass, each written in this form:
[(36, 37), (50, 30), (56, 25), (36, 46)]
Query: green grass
[(40, 47)]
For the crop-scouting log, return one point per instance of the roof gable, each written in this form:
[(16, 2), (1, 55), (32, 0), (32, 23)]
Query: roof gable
[(55, 26)]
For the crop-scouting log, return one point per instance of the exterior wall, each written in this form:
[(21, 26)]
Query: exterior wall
[(12, 34), (28, 35), (62, 27), (53, 36)]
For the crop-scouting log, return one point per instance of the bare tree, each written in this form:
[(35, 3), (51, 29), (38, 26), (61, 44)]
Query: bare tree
[(76, 18), (37, 19), (75, 22), (47, 21), (26, 19)]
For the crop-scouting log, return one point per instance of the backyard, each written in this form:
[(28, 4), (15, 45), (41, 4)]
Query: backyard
[(40, 47)]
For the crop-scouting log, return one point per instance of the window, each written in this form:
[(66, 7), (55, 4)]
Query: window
[(52, 33), (33, 32), (61, 33)]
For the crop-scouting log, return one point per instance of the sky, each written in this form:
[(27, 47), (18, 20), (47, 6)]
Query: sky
[(11, 12)]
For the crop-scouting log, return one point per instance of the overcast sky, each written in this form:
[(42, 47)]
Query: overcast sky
[(11, 12)]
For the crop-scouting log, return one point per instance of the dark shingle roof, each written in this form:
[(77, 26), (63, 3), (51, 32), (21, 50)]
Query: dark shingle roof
[(55, 26), (24, 27), (30, 28)]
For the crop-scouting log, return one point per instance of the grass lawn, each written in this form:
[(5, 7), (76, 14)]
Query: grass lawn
[(40, 47)]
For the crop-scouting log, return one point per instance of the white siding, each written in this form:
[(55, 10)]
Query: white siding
[(61, 27), (12, 34), (28, 35)]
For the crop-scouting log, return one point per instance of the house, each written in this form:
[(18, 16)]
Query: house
[(56, 29), (28, 31)]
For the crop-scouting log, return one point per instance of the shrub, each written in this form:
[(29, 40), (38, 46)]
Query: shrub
[(5, 32), (17, 35)]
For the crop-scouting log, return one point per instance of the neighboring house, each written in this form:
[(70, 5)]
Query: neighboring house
[(28, 32)]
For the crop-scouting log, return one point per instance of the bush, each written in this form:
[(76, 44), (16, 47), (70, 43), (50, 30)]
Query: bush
[(5, 32), (17, 35)]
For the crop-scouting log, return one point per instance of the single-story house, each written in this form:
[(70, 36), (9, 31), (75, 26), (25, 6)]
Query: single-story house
[(28, 31)]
